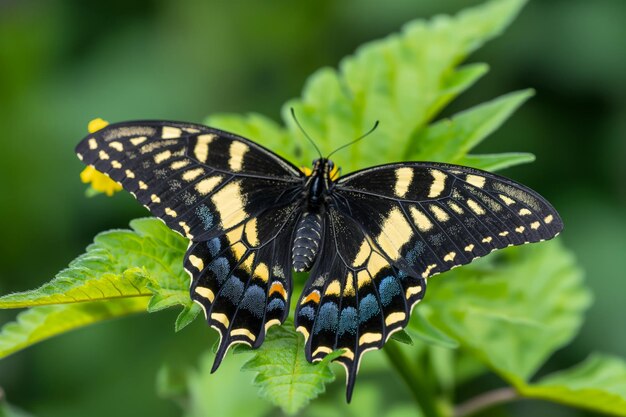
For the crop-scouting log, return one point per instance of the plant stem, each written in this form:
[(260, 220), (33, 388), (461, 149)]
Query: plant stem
[(421, 392), (486, 400)]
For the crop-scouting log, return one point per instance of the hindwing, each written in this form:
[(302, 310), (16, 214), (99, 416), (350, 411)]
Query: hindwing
[(356, 296), (242, 279)]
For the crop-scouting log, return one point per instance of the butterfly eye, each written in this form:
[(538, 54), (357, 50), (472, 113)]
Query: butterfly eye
[(331, 165)]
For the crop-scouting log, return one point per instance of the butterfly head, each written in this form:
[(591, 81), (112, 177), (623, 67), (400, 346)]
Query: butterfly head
[(324, 168)]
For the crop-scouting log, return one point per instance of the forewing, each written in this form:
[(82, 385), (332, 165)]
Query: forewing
[(242, 279), (438, 216), (355, 298), (200, 181)]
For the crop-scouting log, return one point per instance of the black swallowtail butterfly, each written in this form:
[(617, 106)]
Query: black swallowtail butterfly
[(370, 239)]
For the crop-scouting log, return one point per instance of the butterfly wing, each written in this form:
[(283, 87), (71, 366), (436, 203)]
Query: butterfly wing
[(242, 279), (438, 216), (200, 181), (389, 229), (356, 296), (234, 200)]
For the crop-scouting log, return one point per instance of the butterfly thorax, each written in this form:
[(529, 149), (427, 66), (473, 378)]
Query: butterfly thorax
[(308, 233)]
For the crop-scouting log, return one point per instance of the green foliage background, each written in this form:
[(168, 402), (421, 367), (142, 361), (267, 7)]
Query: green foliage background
[(63, 63)]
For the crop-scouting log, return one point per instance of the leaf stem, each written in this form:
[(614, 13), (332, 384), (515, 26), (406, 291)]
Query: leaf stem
[(486, 400), (414, 379)]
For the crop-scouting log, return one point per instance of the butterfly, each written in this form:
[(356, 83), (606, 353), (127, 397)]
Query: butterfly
[(369, 239)]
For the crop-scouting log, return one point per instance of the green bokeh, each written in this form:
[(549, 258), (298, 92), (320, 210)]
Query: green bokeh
[(64, 62)]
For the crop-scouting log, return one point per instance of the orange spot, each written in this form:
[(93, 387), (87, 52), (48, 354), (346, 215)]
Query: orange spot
[(278, 287), (307, 171), (313, 296)]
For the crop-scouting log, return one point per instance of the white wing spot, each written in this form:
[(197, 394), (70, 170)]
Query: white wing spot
[(475, 180), (170, 132), (506, 199), (449, 257), (138, 140), (438, 184), (475, 207)]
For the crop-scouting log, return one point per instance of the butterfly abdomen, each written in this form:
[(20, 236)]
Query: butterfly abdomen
[(307, 241)]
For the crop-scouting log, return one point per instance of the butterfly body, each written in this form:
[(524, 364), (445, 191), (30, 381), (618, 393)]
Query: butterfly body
[(316, 196), (370, 239)]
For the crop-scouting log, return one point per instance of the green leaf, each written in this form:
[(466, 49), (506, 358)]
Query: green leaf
[(424, 330), (284, 376), (403, 80), (514, 315), (40, 323), (226, 393), (402, 337), (495, 162), (87, 279), (598, 384), (127, 268), (449, 140), (119, 264)]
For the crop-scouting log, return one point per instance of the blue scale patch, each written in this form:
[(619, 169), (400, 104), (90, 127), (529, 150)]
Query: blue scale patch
[(233, 290), (221, 268), (388, 288), (368, 308), (307, 312), (349, 321), (205, 215), (414, 254), (327, 317), (214, 245), (253, 301), (276, 303)]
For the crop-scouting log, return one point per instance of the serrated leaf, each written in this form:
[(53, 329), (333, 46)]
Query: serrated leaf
[(87, 279), (403, 80), (142, 266), (598, 384), (284, 376), (119, 263), (40, 323), (514, 316), (450, 140)]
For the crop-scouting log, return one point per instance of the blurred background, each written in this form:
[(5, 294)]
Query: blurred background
[(65, 62)]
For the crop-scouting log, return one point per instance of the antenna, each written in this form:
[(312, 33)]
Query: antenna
[(293, 114), (355, 140)]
